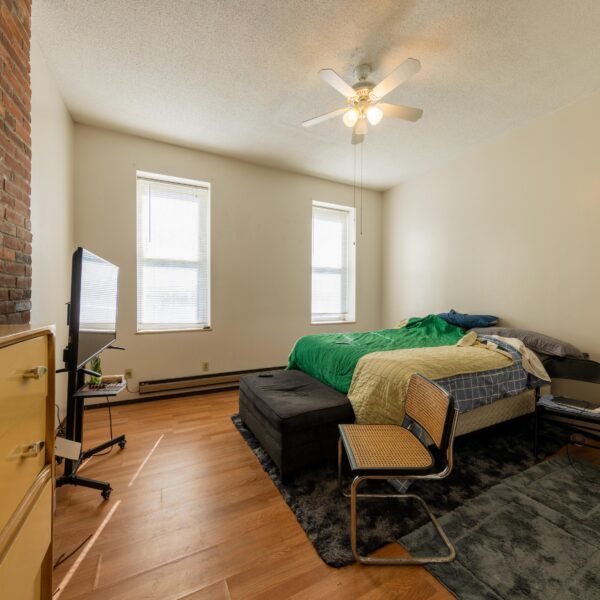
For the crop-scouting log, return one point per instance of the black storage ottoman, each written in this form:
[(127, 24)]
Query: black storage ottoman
[(294, 417)]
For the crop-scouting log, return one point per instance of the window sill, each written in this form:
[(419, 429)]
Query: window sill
[(333, 323), (194, 329)]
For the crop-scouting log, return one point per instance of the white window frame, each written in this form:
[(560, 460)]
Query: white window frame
[(347, 270), (175, 327)]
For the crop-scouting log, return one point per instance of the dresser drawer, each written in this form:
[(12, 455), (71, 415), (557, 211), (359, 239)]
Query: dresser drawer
[(21, 560), (22, 419)]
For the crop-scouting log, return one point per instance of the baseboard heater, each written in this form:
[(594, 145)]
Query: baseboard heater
[(213, 381)]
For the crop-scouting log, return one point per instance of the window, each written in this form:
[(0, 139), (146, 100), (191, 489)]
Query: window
[(173, 253), (332, 263)]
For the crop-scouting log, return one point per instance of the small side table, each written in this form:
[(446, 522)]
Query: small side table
[(576, 416)]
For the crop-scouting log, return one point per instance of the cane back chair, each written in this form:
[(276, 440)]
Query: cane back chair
[(394, 452)]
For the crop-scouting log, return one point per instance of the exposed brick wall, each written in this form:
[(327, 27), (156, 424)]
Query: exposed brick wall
[(15, 161)]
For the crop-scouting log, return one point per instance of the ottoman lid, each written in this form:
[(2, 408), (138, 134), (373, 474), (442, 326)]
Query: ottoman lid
[(292, 400)]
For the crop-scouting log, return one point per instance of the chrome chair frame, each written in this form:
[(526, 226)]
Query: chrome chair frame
[(354, 495)]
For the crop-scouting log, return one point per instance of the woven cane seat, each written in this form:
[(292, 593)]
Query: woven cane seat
[(384, 447)]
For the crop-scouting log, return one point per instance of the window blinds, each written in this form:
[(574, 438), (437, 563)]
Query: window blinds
[(332, 263), (173, 255)]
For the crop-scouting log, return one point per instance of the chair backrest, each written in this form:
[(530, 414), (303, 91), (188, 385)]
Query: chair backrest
[(432, 408), (576, 369)]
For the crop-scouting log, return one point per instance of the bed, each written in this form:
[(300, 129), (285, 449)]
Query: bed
[(485, 376)]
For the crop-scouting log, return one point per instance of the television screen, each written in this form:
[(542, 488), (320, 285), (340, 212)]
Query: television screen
[(94, 297)]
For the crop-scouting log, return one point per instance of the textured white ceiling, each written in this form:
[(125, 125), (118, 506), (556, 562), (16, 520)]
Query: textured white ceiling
[(239, 77)]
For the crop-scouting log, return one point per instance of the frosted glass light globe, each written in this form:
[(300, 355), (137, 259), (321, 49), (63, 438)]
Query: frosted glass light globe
[(374, 114), (350, 117)]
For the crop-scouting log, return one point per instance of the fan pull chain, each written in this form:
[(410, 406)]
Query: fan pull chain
[(361, 187), (149, 212), (354, 186)]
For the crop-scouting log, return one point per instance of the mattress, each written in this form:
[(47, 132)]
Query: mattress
[(475, 374)]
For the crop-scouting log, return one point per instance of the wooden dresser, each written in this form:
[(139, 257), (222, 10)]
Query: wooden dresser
[(26, 461)]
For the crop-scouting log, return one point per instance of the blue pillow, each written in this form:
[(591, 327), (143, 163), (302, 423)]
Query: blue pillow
[(468, 321)]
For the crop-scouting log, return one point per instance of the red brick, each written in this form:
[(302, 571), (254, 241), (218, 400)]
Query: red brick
[(6, 227), (17, 294), (24, 283), (7, 307), (15, 161), (12, 216), (7, 254), (5, 199), (23, 305), (23, 234), (16, 166), (23, 258), (7, 282), (12, 268), (22, 207), (18, 317), (13, 243)]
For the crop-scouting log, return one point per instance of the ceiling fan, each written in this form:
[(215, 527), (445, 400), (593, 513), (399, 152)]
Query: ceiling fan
[(363, 98)]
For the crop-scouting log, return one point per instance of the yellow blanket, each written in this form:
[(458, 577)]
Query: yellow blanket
[(380, 380)]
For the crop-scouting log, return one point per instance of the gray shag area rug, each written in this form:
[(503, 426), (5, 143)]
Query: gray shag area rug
[(536, 535), (481, 460)]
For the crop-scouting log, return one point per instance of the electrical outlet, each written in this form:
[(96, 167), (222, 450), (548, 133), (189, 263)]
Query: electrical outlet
[(128, 373), (205, 367)]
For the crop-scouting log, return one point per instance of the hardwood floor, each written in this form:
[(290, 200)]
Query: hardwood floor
[(200, 520)]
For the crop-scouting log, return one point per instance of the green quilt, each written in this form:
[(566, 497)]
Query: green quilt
[(332, 357)]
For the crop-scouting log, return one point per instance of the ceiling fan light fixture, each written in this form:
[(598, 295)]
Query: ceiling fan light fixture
[(374, 114), (350, 117)]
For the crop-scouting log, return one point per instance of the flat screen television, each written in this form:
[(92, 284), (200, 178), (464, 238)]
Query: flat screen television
[(93, 308)]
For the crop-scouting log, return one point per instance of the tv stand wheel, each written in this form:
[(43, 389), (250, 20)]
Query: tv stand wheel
[(106, 493), (122, 444)]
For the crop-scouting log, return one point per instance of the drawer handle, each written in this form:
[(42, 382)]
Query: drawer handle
[(28, 450), (35, 373)]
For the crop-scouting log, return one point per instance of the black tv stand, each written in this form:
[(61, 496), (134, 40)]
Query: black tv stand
[(74, 431), (74, 479)]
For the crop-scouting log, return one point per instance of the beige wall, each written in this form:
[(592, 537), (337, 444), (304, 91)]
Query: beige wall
[(511, 228), (51, 206), (261, 248)]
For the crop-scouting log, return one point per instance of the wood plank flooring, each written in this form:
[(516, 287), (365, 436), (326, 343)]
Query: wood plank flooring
[(200, 521)]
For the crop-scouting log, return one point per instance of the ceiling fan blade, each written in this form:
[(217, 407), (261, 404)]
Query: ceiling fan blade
[(325, 117), (399, 75), (356, 138), (401, 112), (335, 81), (359, 131), (361, 126)]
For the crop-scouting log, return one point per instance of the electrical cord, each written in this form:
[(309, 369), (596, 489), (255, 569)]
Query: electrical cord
[(59, 428), (110, 426), (64, 556)]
